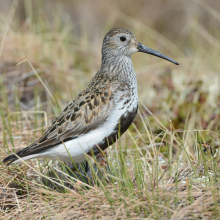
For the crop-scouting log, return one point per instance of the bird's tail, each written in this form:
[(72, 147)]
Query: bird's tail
[(10, 159)]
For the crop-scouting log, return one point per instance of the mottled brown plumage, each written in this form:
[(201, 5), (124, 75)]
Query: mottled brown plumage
[(117, 31), (107, 106)]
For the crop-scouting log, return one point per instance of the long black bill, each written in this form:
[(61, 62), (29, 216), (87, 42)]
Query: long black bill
[(144, 49)]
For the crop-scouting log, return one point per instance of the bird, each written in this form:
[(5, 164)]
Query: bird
[(101, 113)]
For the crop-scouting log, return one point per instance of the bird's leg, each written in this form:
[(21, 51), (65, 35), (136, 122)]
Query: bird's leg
[(87, 167)]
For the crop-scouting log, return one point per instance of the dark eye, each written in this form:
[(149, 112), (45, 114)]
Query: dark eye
[(123, 38)]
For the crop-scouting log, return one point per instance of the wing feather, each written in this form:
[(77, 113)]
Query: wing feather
[(87, 112)]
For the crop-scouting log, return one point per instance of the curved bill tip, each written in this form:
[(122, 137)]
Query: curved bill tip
[(144, 49)]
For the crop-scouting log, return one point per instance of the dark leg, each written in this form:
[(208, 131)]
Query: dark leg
[(87, 167)]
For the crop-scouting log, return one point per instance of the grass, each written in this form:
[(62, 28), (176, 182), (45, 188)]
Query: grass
[(166, 166)]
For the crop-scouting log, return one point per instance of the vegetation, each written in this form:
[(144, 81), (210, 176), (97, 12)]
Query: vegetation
[(166, 166)]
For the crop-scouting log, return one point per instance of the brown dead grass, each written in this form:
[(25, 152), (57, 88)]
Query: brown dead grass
[(178, 181), (94, 205)]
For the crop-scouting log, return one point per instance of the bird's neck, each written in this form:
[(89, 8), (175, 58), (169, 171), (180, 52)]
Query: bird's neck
[(120, 68)]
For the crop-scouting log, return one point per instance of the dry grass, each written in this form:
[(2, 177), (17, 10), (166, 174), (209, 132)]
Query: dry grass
[(165, 167)]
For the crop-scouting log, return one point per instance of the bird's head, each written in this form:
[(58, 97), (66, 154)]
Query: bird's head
[(122, 42)]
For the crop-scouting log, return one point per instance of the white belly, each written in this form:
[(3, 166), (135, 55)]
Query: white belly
[(82, 145)]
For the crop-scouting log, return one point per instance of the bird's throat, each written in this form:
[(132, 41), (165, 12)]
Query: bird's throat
[(120, 68)]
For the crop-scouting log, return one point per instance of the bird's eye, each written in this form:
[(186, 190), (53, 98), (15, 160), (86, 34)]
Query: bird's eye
[(123, 38)]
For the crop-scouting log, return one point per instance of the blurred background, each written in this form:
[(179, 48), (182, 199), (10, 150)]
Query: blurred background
[(169, 17), (63, 39), (51, 49)]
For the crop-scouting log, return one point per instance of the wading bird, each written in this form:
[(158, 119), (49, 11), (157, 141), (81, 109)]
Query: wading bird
[(106, 107)]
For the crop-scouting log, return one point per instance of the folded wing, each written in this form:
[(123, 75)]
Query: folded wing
[(87, 112)]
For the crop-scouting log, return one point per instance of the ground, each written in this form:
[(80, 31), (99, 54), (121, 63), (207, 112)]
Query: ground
[(166, 166)]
